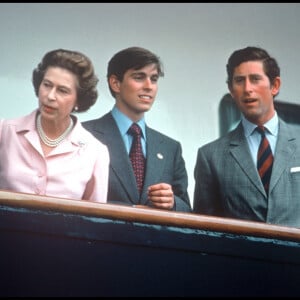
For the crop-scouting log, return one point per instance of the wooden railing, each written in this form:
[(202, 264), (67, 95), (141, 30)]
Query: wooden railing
[(145, 214), (62, 247)]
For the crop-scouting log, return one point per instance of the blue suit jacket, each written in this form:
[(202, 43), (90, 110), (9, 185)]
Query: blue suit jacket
[(164, 163), (227, 183)]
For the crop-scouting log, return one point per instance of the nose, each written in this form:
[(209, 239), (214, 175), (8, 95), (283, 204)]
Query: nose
[(248, 85), (52, 94), (148, 83)]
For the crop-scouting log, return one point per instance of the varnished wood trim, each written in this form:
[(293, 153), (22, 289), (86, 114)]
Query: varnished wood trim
[(145, 214)]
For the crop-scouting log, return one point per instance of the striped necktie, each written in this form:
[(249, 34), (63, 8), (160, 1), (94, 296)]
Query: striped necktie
[(136, 155), (264, 159)]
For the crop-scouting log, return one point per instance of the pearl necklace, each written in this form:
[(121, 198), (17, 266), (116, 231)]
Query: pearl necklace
[(50, 142)]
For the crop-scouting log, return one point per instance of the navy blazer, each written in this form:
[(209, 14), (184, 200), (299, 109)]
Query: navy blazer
[(227, 183), (164, 163)]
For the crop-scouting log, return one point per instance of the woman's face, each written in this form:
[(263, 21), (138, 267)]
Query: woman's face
[(57, 94)]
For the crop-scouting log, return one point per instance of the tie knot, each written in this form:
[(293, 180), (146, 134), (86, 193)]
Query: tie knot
[(261, 129), (135, 130)]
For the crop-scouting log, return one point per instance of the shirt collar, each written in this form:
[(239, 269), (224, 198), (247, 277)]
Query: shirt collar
[(124, 122), (271, 125)]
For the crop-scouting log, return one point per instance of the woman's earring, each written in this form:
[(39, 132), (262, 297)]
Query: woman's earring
[(76, 108)]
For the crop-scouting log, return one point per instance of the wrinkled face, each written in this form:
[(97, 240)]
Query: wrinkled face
[(57, 94), (253, 93), (136, 93)]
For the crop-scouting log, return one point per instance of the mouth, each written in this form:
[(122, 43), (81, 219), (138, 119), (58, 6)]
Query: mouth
[(249, 100), (48, 109), (146, 98)]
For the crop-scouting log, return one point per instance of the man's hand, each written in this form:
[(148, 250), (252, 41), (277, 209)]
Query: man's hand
[(161, 195)]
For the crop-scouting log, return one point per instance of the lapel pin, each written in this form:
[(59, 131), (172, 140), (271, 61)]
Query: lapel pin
[(159, 156)]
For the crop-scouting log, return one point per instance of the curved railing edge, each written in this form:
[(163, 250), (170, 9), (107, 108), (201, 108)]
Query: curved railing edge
[(145, 214)]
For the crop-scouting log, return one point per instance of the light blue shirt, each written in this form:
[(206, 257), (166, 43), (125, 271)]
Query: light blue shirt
[(253, 137), (124, 124)]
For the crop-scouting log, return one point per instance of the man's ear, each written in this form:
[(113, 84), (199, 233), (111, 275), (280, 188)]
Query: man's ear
[(276, 86), (114, 83), (230, 89)]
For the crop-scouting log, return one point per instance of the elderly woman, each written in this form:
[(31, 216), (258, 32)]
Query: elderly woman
[(48, 152)]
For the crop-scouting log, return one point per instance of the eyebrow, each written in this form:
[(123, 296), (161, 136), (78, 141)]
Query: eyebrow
[(248, 75)]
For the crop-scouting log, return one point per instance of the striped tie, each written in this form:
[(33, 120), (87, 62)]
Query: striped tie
[(136, 155), (264, 159)]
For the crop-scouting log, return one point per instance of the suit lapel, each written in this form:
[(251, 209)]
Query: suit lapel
[(156, 155), (285, 147), (119, 160), (240, 151), (121, 166)]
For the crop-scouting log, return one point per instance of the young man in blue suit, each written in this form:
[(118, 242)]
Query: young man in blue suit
[(227, 183), (132, 77)]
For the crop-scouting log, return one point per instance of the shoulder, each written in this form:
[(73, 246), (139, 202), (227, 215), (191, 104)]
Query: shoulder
[(289, 130), (22, 123), (222, 144), (84, 138), (10, 127), (288, 125), (152, 133), (99, 121), (104, 125)]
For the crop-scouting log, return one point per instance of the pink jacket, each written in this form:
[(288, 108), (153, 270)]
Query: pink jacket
[(77, 168)]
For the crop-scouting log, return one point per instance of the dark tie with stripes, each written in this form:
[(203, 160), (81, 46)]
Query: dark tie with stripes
[(264, 159), (136, 155)]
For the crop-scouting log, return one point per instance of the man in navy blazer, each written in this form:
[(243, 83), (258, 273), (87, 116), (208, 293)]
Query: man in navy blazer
[(227, 183), (132, 77)]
